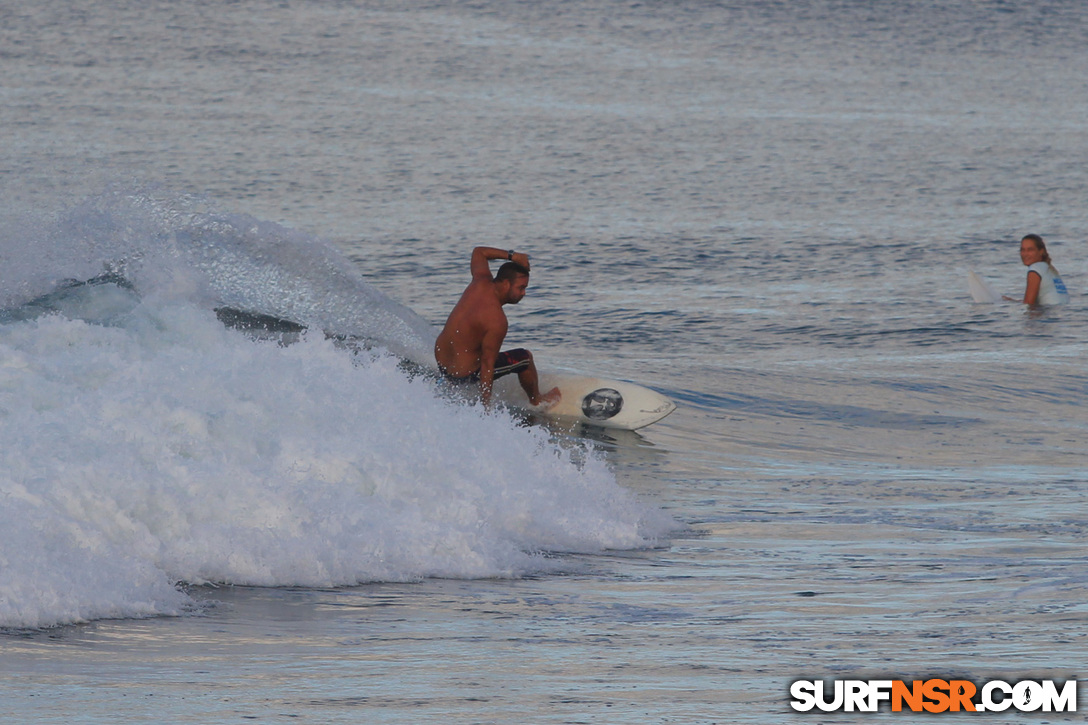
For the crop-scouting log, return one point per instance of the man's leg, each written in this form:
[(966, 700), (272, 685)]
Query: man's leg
[(520, 361)]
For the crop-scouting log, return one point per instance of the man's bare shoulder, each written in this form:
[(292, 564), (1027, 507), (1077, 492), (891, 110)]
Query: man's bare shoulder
[(480, 295), (478, 309)]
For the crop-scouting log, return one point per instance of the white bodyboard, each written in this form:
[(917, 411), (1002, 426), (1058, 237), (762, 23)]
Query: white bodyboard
[(980, 290), (592, 401)]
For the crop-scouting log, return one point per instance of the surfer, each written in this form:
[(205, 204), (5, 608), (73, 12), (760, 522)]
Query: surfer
[(467, 349), (1045, 286)]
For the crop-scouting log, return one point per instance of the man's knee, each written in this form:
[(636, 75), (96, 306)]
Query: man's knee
[(525, 361), (514, 361), (529, 366)]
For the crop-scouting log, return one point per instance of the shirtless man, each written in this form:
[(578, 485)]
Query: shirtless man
[(467, 349)]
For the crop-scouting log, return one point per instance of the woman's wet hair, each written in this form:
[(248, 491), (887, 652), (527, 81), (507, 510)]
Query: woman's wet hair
[(1039, 244)]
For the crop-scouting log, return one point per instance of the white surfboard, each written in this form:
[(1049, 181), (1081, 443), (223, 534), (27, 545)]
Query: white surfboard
[(592, 401), (980, 290)]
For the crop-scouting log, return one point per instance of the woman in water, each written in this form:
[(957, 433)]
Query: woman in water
[(1044, 287)]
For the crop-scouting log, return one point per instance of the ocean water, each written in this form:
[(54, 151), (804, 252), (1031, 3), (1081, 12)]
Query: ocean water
[(764, 210)]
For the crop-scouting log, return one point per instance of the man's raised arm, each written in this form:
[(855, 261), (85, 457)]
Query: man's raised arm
[(482, 255)]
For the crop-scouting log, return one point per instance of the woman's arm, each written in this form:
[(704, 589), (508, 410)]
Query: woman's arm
[(1031, 294)]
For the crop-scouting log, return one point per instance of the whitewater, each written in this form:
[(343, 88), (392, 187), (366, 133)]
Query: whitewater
[(150, 448)]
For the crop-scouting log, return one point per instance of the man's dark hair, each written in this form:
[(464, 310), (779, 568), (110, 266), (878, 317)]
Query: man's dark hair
[(510, 271)]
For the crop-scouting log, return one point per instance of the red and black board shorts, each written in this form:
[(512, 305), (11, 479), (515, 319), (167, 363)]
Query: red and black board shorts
[(511, 361)]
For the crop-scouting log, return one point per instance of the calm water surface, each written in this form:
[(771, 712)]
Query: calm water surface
[(765, 210)]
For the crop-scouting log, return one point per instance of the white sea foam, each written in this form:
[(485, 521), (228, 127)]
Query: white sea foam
[(163, 448)]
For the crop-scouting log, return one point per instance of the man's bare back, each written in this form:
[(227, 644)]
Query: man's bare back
[(468, 348)]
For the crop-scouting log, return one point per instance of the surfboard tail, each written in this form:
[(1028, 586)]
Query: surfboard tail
[(981, 291)]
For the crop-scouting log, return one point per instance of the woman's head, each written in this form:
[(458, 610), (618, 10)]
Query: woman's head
[(1032, 250)]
